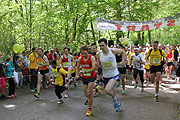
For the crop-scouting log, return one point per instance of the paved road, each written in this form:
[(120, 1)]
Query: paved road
[(137, 105)]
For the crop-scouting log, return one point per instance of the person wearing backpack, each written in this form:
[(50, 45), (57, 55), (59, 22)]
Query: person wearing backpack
[(155, 64), (138, 61)]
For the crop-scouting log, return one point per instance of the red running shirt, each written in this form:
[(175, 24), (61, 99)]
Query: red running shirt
[(86, 65)]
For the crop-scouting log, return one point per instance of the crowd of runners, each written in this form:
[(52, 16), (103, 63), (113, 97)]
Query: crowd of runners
[(109, 65)]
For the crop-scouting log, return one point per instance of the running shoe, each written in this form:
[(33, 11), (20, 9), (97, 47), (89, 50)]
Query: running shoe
[(156, 98), (142, 90), (66, 95), (11, 96), (3, 96), (94, 94), (33, 90), (86, 103), (60, 101), (119, 106), (123, 91), (133, 82), (135, 86), (75, 85), (98, 89), (89, 112), (149, 79), (46, 86), (115, 101), (36, 95)]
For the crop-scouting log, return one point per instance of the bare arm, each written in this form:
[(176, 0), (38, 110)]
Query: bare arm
[(46, 61), (98, 59), (77, 67), (61, 61), (93, 65)]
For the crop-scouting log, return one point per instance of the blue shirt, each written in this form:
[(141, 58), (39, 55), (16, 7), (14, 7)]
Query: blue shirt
[(9, 69)]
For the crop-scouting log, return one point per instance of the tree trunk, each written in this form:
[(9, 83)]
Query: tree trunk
[(119, 34), (74, 27), (142, 37), (93, 32), (66, 35), (30, 22), (139, 37), (128, 34), (149, 36)]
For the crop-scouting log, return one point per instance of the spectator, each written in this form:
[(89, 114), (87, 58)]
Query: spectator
[(56, 53), (19, 65), (9, 74), (24, 57), (25, 70), (50, 55), (2, 76)]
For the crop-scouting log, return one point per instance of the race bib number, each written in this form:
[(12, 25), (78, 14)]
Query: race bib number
[(40, 64), (55, 74), (108, 66), (137, 65), (156, 60), (119, 65), (87, 74), (65, 64), (169, 59)]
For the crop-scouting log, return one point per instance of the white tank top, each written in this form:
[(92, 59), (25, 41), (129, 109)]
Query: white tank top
[(109, 65)]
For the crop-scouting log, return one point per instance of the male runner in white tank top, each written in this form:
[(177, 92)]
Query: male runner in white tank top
[(106, 58)]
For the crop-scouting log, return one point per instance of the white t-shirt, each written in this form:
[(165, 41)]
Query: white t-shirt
[(137, 65)]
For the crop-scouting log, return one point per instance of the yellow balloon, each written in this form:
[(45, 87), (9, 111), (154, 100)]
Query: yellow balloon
[(122, 39), (125, 42), (21, 48), (15, 48)]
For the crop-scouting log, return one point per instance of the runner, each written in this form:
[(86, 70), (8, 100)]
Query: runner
[(147, 69), (88, 73), (130, 69), (33, 69), (138, 61), (66, 63), (59, 75), (175, 55), (121, 69), (106, 58), (170, 63), (43, 64), (96, 89), (155, 55)]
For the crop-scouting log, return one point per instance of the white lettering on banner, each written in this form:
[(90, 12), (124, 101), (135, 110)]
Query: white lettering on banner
[(103, 24)]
